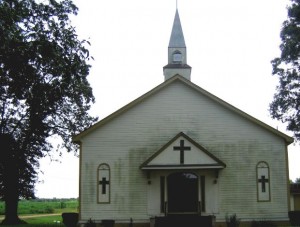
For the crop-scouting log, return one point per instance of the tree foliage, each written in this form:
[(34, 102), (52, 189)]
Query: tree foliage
[(286, 103), (44, 89)]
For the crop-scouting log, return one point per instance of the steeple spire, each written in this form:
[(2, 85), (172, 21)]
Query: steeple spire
[(177, 63), (177, 38)]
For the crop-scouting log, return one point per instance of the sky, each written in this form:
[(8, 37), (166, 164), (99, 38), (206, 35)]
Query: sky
[(230, 45)]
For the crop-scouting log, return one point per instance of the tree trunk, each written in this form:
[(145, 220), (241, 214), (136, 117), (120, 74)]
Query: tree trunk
[(11, 212), (11, 198), (10, 181)]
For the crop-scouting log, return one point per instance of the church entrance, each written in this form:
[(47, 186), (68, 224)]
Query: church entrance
[(183, 193)]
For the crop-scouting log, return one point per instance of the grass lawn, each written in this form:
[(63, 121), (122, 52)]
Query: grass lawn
[(51, 220), (42, 212), (54, 219), (35, 225)]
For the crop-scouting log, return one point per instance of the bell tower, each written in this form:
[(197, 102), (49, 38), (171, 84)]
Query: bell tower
[(177, 62)]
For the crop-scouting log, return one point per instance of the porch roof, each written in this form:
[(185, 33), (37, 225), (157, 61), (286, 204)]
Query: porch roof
[(182, 152), (295, 188), (183, 167)]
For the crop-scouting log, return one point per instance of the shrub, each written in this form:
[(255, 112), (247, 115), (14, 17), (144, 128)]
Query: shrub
[(70, 219), (232, 221), (49, 210), (90, 223), (294, 218), (63, 205)]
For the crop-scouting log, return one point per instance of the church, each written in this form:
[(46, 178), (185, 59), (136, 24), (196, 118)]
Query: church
[(179, 151)]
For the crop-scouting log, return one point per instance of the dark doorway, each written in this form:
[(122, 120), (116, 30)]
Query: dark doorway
[(182, 193)]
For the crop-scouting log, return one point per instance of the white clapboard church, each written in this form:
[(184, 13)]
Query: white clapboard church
[(180, 151)]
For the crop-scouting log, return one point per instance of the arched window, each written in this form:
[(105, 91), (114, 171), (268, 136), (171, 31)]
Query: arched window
[(103, 183), (263, 182), (177, 57)]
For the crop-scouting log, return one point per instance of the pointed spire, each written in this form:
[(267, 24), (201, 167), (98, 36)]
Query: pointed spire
[(177, 38), (177, 59)]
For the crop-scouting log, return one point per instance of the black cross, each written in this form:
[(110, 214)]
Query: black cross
[(263, 182), (104, 182), (182, 148)]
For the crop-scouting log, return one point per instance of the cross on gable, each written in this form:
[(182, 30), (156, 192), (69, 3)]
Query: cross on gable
[(181, 148), (104, 182), (263, 182)]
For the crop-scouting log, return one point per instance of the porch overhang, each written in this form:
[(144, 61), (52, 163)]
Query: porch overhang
[(182, 167), (182, 153)]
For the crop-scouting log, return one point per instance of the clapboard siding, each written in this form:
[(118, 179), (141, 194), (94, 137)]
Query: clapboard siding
[(130, 138)]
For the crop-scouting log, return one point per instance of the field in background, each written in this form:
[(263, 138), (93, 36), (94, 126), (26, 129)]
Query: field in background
[(43, 212), (44, 206)]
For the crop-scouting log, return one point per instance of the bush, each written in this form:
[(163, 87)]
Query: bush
[(90, 223), (70, 219), (49, 210), (294, 218), (232, 221)]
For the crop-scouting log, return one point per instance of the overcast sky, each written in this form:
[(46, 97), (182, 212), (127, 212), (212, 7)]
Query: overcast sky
[(229, 46)]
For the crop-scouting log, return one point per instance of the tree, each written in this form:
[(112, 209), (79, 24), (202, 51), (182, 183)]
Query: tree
[(44, 91), (286, 103)]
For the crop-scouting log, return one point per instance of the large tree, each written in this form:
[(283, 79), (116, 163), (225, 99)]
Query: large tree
[(44, 91), (286, 103)]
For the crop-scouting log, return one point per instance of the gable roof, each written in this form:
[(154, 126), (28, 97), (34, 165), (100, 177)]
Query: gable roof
[(194, 157), (177, 78)]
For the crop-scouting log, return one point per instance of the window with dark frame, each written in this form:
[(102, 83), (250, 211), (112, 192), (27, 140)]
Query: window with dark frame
[(103, 183)]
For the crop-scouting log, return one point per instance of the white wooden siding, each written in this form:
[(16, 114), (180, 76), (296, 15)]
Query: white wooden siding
[(131, 138)]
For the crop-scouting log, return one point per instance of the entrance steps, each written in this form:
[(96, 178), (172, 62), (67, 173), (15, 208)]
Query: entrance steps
[(183, 220)]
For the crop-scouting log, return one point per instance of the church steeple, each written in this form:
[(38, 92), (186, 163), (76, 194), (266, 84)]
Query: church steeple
[(177, 63), (177, 38)]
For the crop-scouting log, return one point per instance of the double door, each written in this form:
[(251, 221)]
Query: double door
[(183, 193)]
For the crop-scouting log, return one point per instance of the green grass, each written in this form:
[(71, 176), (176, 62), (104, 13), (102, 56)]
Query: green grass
[(44, 206), (57, 219), (35, 225), (54, 220)]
